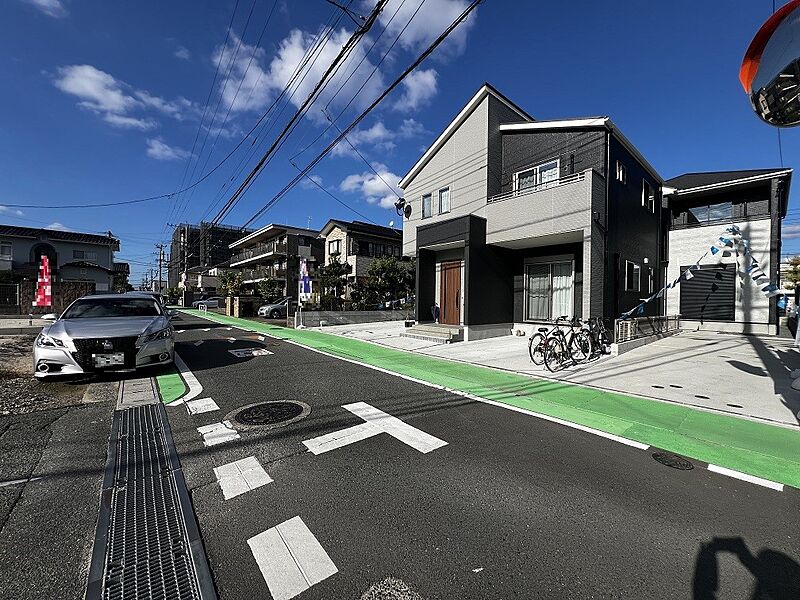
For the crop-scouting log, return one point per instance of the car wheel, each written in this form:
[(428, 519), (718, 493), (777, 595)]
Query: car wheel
[(274, 314)]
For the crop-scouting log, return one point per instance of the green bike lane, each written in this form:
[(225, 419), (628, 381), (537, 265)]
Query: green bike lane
[(758, 449)]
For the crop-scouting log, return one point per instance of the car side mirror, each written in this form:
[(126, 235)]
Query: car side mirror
[(172, 313), (49, 317)]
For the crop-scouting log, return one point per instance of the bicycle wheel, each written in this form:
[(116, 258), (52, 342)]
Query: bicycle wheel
[(554, 354), (536, 348), (581, 346)]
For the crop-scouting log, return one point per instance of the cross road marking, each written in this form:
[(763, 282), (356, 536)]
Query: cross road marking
[(248, 352), (218, 433), (377, 422), (241, 476), (290, 558), (201, 405)]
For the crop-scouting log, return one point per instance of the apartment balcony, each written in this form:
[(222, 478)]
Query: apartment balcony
[(551, 212), (263, 250), (259, 273)]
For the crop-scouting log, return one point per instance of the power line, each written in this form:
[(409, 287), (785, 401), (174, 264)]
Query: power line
[(369, 109)]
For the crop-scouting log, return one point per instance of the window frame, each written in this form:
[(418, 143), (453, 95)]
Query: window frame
[(10, 249), (444, 189), (430, 206), (537, 168), (637, 271), (338, 244), (648, 199), (86, 254), (549, 261), (622, 173)]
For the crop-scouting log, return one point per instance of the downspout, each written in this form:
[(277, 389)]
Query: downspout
[(605, 227)]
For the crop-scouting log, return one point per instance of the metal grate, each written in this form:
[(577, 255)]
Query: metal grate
[(87, 346), (149, 550)]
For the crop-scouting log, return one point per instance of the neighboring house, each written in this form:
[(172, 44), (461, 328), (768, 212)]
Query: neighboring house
[(122, 272), (204, 245), (73, 256), (203, 279), (359, 244), (275, 251), (701, 206), (515, 222)]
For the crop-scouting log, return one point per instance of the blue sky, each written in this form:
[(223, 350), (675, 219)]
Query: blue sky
[(104, 99)]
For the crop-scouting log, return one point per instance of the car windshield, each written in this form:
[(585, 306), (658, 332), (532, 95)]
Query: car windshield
[(96, 308)]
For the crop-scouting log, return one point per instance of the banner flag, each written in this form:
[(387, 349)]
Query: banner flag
[(714, 249)]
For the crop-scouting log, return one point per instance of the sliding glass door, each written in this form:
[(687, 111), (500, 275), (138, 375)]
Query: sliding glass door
[(548, 290)]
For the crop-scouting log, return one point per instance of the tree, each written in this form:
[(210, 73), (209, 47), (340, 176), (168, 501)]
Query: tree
[(230, 284), (392, 279), (792, 277), (270, 289), (172, 295), (333, 281)]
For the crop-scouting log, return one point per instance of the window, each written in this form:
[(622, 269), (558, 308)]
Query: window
[(84, 254), (544, 176), (621, 175), (335, 247), (426, 206), (548, 290), (709, 213), (633, 276), (5, 249), (650, 280), (444, 200), (648, 196)]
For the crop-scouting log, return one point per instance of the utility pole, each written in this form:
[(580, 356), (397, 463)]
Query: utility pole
[(160, 268)]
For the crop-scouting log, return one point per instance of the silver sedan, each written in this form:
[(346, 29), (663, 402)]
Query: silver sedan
[(104, 332)]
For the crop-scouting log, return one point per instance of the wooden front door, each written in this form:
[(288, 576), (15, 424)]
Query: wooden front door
[(450, 293)]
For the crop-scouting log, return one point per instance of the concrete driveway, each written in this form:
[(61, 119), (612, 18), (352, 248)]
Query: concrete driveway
[(741, 375)]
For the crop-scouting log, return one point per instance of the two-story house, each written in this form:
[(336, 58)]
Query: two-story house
[(515, 221), (358, 244), (73, 256), (701, 207), (275, 251)]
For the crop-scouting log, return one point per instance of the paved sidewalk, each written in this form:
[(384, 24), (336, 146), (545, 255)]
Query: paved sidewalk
[(21, 325), (754, 448), (747, 376)]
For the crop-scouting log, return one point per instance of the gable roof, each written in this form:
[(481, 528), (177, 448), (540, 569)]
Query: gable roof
[(360, 227), (691, 181), (58, 234), (484, 91)]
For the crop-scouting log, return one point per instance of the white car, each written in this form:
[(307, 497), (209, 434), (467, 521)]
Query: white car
[(276, 310), (212, 302)]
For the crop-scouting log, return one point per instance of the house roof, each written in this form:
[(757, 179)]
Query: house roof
[(83, 264), (584, 123), (484, 91), (57, 234), (275, 228), (121, 267), (692, 181), (360, 227)]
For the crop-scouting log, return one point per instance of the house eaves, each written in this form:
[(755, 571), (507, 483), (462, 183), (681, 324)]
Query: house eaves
[(731, 183), (462, 116)]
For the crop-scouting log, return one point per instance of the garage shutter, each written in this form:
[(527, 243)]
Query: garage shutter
[(710, 295)]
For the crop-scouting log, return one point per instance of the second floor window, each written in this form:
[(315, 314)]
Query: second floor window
[(334, 246), (543, 175), (84, 254), (648, 196), (426, 206), (633, 276), (622, 176), (444, 200), (5, 249), (709, 213)]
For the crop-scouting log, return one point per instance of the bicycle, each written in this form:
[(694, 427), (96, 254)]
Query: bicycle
[(561, 348), (536, 344), (600, 337)]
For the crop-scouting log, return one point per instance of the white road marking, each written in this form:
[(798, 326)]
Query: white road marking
[(198, 342), (195, 389), (745, 477), (248, 352), (179, 330), (218, 433), (261, 338), (18, 481), (241, 476), (206, 329), (377, 422), (228, 328), (201, 405), (290, 558), (231, 339)]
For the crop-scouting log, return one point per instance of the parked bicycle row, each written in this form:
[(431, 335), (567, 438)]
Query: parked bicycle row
[(569, 341)]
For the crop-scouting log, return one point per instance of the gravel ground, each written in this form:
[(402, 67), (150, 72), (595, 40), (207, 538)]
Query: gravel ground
[(20, 392)]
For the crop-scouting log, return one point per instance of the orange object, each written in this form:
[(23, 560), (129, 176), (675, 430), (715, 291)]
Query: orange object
[(752, 57)]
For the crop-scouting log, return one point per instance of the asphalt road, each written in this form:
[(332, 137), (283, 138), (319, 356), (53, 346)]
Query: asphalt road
[(511, 507)]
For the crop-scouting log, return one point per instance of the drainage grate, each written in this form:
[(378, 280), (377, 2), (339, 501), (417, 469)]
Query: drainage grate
[(673, 460), (271, 414), (147, 538)]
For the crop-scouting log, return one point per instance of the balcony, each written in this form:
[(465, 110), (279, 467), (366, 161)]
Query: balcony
[(263, 250), (259, 273), (550, 209)]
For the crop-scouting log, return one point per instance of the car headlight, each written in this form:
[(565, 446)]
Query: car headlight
[(45, 341), (163, 334)]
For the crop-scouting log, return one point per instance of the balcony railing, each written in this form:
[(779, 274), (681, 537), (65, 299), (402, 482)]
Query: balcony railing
[(263, 272), (263, 249), (537, 188)]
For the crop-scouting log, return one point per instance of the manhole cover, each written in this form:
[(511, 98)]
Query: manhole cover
[(270, 414), (673, 460)]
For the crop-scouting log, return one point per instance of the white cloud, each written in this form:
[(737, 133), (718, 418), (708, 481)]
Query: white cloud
[(309, 185), (11, 211), (418, 89), (158, 150), (378, 137), (58, 226), (429, 23), (790, 232), (264, 79), (52, 8), (114, 100), (183, 53), (380, 189), (411, 128)]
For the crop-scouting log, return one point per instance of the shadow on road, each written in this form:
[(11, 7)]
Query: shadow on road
[(777, 576)]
